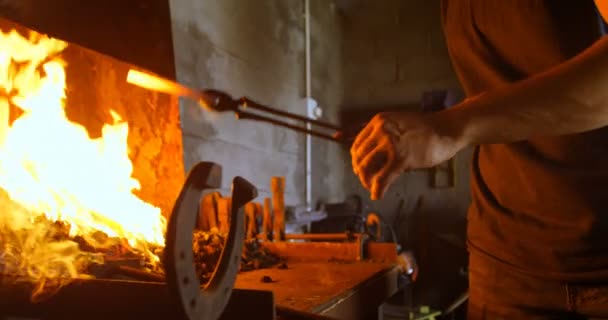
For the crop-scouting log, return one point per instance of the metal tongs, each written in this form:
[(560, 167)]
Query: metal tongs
[(218, 101)]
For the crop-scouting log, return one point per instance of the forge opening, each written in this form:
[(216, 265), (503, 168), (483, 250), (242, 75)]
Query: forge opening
[(89, 165)]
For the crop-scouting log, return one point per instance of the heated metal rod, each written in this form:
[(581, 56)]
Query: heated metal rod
[(156, 83), (248, 103), (243, 115)]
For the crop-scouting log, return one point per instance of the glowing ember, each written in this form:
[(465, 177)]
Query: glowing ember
[(50, 170)]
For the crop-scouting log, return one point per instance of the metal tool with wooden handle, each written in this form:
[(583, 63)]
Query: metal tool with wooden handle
[(207, 218), (277, 186), (267, 219), (251, 229)]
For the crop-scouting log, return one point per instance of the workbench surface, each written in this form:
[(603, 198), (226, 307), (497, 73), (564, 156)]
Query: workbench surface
[(309, 286)]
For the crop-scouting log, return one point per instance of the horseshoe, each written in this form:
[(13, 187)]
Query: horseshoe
[(191, 301)]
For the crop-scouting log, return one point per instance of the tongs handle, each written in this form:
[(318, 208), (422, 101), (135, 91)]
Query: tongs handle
[(244, 115), (221, 102), (215, 100), (248, 103)]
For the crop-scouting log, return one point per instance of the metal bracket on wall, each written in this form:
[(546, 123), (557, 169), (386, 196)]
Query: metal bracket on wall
[(443, 175)]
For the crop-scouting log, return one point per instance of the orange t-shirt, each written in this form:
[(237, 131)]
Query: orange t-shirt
[(541, 205)]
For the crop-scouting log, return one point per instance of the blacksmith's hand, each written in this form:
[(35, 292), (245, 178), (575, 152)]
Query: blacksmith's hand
[(397, 141)]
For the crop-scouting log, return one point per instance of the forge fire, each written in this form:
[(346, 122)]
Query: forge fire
[(62, 192), (68, 203)]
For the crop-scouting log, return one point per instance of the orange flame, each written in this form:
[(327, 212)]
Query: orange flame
[(49, 167)]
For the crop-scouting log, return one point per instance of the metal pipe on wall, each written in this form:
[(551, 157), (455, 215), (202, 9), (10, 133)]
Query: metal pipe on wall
[(308, 109)]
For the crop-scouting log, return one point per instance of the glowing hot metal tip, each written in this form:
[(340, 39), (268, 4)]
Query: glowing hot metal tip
[(156, 83)]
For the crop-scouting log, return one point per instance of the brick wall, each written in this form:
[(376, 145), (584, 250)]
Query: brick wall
[(256, 48), (393, 51)]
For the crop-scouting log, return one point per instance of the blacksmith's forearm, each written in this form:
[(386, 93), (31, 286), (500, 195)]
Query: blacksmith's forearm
[(569, 98)]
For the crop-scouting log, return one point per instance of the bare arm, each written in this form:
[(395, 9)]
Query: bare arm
[(570, 98)]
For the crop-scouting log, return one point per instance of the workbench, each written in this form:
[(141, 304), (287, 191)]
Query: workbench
[(330, 279), (340, 290)]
